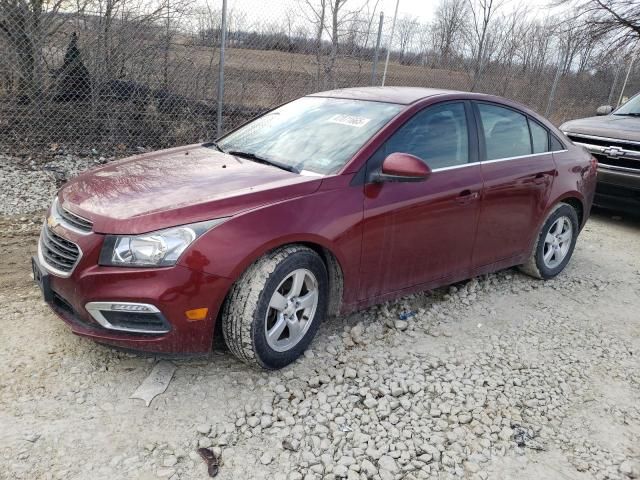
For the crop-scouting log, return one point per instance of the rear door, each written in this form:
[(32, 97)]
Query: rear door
[(420, 232), (518, 171)]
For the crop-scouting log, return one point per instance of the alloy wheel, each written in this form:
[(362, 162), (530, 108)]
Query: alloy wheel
[(291, 310), (557, 242)]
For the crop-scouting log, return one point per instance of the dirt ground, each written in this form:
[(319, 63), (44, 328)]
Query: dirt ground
[(500, 377)]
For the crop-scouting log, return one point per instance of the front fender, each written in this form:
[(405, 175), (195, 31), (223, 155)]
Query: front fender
[(331, 219)]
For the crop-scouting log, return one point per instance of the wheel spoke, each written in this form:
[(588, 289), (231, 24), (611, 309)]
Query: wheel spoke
[(275, 331), (549, 239), (558, 227), (308, 300), (293, 303), (278, 302), (566, 236), (295, 329), (298, 282), (548, 255)]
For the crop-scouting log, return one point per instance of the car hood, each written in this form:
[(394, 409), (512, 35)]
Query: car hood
[(177, 186), (611, 126)]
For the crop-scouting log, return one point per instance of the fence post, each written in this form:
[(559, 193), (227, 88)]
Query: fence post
[(390, 46), (552, 94), (626, 79), (614, 83), (223, 41), (377, 52)]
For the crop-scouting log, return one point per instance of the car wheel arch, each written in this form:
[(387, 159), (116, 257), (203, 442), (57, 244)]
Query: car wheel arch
[(578, 206), (573, 199), (332, 261)]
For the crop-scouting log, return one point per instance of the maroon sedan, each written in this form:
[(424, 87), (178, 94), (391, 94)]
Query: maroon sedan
[(325, 205)]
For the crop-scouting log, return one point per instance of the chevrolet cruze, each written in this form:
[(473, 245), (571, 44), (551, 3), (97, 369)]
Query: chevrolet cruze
[(325, 205)]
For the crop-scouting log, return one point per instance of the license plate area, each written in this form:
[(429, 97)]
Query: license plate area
[(42, 279)]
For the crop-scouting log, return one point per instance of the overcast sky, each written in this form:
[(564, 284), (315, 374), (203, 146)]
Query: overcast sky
[(423, 9)]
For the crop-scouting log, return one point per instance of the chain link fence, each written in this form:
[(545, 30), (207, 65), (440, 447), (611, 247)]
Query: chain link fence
[(121, 74)]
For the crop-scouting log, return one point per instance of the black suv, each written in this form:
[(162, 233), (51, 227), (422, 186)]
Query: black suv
[(613, 137)]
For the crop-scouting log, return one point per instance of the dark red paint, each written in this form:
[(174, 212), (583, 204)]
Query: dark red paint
[(405, 166), (389, 239)]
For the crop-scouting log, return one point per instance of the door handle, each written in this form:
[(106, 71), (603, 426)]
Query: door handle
[(467, 196), (540, 178)]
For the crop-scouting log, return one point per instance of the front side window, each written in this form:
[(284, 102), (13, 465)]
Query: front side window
[(438, 135), (312, 133), (506, 132)]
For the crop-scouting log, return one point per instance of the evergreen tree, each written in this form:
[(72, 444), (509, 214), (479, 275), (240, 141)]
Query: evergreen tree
[(73, 77)]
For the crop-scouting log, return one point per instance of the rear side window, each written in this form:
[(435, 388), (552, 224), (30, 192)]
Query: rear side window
[(539, 137), (506, 132), (438, 135)]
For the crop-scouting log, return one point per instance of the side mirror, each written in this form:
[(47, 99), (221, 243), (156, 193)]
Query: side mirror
[(402, 167), (604, 110)]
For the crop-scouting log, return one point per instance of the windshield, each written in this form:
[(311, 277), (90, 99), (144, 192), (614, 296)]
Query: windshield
[(632, 107), (312, 133)]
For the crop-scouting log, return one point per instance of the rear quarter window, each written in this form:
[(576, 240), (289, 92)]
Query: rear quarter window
[(539, 137), (556, 145)]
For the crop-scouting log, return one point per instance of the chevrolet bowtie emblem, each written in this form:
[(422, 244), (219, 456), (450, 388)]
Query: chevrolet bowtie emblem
[(613, 152), (51, 221)]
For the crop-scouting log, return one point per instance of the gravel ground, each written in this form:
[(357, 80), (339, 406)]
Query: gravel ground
[(28, 184), (499, 377)]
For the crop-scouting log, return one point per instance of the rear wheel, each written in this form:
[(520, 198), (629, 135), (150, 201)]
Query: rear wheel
[(275, 308), (555, 243)]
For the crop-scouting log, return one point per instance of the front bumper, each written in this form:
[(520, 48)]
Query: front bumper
[(172, 290), (618, 189)]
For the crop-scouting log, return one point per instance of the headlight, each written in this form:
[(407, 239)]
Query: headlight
[(154, 249)]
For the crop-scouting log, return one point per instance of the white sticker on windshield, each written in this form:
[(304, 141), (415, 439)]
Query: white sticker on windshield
[(350, 120)]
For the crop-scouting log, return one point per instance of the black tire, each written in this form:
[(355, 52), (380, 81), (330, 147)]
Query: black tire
[(246, 307), (536, 266)]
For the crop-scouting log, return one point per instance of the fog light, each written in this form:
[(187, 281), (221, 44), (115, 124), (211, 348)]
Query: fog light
[(129, 317), (197, 314), (124, 307)]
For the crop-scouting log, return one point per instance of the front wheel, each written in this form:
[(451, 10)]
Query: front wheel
[(555, 243), (275, 308)]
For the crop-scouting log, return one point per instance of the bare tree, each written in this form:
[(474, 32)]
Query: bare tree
[(448, 28), (317, 15), (575, 42), (483, 13), (509, 36), (330, 18), (407, 29), (618, 19), (25, 25)]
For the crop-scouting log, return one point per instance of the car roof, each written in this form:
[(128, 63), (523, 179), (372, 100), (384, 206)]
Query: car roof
[(400, 95)]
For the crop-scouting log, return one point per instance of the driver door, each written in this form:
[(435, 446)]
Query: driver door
[(423, 232)]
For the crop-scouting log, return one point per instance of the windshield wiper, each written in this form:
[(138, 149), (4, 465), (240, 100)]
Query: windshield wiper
[(215, 145), (266, 161), (630, 114)]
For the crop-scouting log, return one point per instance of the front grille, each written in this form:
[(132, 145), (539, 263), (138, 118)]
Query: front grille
[(617, 162), (604, 142), (57, 252), (74, 220), (610, 152)]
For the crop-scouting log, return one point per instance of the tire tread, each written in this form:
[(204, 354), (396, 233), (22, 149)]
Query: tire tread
[(531, 266), (242, 303)]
